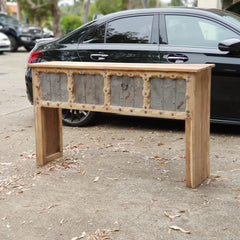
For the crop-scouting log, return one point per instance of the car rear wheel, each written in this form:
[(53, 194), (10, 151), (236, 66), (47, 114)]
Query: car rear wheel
[(76, 118), (14, 44)]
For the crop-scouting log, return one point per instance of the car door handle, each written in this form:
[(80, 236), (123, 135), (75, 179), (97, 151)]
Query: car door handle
[(177, 58), (98, 57)]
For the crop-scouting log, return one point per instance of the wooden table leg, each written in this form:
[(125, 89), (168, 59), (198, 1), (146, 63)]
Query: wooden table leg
[(48, 127), (197, 131)]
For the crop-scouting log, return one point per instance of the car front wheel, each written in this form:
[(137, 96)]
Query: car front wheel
[(13, 43), (76, 118)]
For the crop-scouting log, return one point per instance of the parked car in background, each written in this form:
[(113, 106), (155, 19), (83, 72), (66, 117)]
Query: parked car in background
[(19, 34), (163, 35), (235, 8), (4, 43)]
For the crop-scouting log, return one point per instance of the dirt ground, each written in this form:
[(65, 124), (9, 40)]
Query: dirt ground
[(120, 179)]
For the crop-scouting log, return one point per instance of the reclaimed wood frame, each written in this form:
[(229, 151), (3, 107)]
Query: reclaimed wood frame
[(48, 116)]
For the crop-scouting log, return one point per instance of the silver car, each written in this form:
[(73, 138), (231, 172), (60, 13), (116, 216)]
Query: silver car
[(4, 43)]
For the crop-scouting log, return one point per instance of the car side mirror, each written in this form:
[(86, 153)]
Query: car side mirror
[(231, 45)]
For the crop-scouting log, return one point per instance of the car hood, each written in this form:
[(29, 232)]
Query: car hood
[(234, 8), (27, 27)]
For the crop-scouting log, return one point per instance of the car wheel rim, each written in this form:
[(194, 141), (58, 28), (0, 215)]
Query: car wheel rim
[(73, 116)]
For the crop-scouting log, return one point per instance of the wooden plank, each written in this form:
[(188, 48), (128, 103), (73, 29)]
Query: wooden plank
[(89, 89), (168, 94), (126, 91), (157, 93), (175, 68), (45, 85), (169, 91), (180, 105), (54, 86)]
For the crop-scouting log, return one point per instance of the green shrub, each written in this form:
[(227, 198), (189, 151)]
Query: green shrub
[(70, 22)]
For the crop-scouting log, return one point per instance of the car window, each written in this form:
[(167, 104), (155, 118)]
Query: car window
[(75, 36), (130, 30), (71, 38), (196, 32), (96, 36)]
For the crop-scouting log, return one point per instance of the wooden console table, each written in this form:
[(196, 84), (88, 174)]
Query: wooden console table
[(175, 91)]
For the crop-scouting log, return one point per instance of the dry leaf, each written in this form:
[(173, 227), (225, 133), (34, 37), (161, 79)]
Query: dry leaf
[(179, 229), (161, 164)]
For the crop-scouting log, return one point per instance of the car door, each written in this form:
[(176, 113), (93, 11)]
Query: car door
[(195, 39), (123, 39)]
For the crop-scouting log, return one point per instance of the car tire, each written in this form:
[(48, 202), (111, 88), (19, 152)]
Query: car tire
[(14, 44), (77, 118)]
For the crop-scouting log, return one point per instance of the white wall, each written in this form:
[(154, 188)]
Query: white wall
[(209, 4)]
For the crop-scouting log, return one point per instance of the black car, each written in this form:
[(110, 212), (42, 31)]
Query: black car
[(19, 34), (161, 35)]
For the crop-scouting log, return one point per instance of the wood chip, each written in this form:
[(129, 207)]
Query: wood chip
[(96, 179), (179, 229), (80, 237), (171, 217)]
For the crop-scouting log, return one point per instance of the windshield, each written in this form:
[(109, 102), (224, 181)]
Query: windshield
[(8, 20)]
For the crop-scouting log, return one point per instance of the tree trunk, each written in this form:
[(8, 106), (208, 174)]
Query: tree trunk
[(145, 3), (130, 4), (85, 10), (157, 3), (56, 19), (3, 6), (19, 15)]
